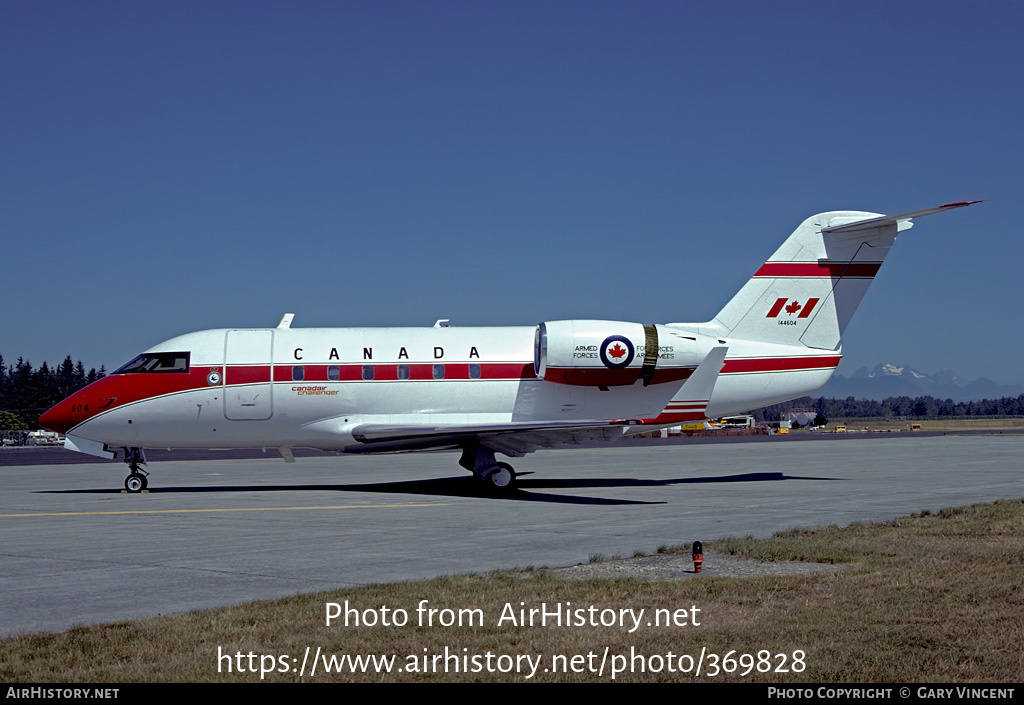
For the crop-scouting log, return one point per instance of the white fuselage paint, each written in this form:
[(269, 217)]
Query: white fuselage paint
[(319, 412)]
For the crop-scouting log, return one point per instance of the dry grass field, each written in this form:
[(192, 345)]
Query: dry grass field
[(923, 598)]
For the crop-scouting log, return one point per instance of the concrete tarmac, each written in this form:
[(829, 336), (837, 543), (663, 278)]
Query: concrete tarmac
[(75, 550)]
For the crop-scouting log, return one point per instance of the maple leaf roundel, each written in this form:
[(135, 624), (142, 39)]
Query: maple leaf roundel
[(616, 352)]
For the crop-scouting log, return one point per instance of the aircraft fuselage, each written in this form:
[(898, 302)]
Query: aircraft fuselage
[(306, 387)]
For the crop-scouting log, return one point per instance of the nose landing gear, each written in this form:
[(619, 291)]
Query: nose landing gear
[(136, 480)]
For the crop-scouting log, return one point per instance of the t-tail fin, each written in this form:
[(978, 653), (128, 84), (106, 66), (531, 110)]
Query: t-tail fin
[(807, 291)]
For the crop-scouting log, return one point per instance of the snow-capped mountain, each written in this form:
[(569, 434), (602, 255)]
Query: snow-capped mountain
[(888, 380)]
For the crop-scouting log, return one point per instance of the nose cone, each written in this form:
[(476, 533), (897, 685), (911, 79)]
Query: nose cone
[(81, 406), (59, 417)]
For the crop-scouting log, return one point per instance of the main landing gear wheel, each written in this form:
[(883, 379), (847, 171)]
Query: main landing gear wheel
[(502, 478), (498, 478), (135, 482)]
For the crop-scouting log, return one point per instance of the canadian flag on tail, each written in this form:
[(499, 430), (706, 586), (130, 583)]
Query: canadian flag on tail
[(792, 307)]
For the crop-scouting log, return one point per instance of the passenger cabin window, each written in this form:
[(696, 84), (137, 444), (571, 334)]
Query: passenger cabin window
[(298, 373), (333, 373), (474, 371), (156, 362), (403, 372), (367, 372), (438, 371)]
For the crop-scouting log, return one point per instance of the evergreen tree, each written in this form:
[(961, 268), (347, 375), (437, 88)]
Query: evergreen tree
[(4, 386), (28, 392), (65, 378)]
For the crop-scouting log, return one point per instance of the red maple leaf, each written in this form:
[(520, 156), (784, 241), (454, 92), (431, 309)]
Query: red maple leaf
[(618, 351), (793, 308)]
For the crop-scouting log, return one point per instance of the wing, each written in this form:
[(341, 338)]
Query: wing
[(512, 439), (516, 439)]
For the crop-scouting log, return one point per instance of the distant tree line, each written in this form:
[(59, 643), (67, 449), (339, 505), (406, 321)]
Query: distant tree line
[(26, 392), (892, 407)]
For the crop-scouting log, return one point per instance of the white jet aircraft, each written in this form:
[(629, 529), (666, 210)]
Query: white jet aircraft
[(491, 390)]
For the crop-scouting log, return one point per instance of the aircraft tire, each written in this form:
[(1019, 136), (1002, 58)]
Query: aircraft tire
[(135, 482), (502, 479)]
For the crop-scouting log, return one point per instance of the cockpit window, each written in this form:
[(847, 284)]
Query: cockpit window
[(156, 362)]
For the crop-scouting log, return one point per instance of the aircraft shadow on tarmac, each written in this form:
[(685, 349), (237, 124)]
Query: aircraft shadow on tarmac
[(463, 486)]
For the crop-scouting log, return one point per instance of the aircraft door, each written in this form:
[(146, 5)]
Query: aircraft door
[(248, 385)]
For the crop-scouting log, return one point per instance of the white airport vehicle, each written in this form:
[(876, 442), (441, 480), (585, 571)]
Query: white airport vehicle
[(43, 438), (491, 391)]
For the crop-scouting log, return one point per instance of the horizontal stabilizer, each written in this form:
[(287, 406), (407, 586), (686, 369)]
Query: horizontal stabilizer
[(892, 219)]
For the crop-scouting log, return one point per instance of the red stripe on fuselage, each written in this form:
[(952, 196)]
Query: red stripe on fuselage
[(129, 388), (123, 389), (779, 364), (670, 417), (247, 374)]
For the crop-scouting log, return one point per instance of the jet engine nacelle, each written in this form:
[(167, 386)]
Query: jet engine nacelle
[(614, 353)]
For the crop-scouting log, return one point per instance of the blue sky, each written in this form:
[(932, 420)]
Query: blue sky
[(169, 167)]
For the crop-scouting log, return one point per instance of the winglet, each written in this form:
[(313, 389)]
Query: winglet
[(701, 383)]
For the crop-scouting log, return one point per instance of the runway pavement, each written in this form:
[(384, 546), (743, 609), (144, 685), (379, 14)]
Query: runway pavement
[(75, 550)]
